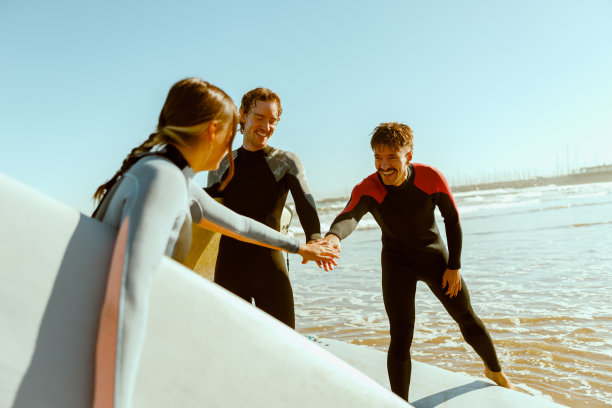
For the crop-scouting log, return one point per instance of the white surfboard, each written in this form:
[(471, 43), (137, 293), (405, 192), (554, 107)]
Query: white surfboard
[(433, 386), (204, 347)]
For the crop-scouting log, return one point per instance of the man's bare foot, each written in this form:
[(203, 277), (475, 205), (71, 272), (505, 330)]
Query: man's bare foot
[(499, 378)]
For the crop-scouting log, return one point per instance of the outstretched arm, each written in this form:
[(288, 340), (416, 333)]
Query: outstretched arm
[(346, 222), (213, 216), (305, 205)]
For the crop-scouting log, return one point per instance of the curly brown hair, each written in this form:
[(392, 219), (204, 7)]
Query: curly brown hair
[(393, 134), (249, 100)]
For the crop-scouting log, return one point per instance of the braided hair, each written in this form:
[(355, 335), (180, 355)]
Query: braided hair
[(190, 105)]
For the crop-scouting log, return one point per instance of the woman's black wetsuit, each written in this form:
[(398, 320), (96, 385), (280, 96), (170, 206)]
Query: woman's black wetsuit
[(259, 188), (413, 250)]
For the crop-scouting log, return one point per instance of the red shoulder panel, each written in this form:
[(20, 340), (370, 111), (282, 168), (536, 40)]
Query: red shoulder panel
[(430, 180), (370, 186)]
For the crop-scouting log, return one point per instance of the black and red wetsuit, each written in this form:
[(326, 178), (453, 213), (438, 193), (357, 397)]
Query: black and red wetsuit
[(413, 250)]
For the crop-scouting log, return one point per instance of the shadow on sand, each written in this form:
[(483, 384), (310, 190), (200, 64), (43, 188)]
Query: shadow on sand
[(438, 398)]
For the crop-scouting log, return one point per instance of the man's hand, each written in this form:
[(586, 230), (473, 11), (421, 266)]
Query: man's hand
[(320, 252), (334, 242), (453, 278)]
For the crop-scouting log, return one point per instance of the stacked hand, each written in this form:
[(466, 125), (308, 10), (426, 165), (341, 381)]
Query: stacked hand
[(331, 242), (321, 252)]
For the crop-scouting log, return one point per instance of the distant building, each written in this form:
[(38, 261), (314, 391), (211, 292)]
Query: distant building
[(595, 169)]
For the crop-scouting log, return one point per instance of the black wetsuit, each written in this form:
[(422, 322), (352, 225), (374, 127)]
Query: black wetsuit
[(413, 250), (258, 190)]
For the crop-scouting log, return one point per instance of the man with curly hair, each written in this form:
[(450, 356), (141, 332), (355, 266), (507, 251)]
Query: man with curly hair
[(263, 177), (402, 197)]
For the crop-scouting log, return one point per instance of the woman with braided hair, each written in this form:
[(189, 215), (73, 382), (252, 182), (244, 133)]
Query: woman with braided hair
[(155, 195)]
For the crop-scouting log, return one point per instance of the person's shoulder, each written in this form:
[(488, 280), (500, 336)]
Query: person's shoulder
[(156, 166), (160, 171), (159, 177), (370, 186), (429, 178), (425, 168), (370, 181), (284, 159), (215, 176), (282, 155), (224, 164)]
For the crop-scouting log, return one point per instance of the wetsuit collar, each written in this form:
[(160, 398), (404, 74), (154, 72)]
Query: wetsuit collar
[(257, 153), (172, 153), (246, 156)]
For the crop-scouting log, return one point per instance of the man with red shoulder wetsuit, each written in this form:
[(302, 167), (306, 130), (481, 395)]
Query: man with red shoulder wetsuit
[(402, 197)]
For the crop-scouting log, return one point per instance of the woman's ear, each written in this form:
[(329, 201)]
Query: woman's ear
[(211, 130)]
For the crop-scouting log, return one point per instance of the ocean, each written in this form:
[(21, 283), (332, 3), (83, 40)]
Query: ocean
[(537, 263)]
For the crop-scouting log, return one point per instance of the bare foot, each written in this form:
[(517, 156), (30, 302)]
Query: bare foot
[(499, 378)]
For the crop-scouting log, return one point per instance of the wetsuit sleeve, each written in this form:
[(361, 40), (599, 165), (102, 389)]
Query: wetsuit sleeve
[(305, 205), (346, 222), (212, 215), (454, 236)]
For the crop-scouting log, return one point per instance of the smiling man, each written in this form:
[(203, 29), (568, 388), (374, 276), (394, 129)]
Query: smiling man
[(402, 197), (263, 177)]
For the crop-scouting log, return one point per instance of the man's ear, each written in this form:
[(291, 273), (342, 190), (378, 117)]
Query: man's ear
[(242, 116), (409, 156)]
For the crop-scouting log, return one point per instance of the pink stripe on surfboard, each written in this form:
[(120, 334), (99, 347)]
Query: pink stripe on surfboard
[(106, 347)]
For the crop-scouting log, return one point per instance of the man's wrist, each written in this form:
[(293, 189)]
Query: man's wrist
[(315, 237), (333, 235)]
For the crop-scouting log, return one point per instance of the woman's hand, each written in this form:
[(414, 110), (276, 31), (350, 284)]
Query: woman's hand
[(321, 252), (453, 278)]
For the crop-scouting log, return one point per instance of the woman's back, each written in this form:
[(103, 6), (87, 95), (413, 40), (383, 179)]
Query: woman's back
[(153, 193)]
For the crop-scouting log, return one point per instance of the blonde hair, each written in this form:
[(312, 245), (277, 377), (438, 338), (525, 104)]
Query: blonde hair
[(190, 106)]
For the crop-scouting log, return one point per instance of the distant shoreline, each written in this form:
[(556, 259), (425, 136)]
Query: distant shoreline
[(581, 177), (574, 178)]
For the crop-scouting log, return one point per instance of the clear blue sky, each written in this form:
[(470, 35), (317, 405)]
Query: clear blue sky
[(491, 89)]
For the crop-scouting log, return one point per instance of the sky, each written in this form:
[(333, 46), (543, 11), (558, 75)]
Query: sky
[(492, 90)]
